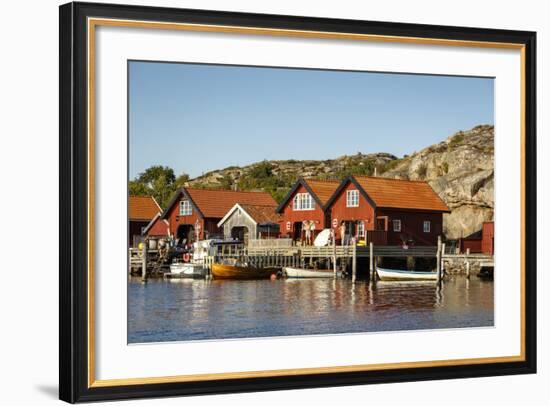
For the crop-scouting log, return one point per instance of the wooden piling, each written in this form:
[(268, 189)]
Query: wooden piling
[(354, 263), (334, 254), (144, 253), (467, 263), (371, 260), (438, 259), (442, 260)]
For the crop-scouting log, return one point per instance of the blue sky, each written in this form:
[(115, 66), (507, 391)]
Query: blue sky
[(195, 118)]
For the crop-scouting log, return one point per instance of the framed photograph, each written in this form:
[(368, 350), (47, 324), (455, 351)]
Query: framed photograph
[(256, 202)]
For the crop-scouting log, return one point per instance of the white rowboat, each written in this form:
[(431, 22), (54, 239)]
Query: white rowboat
[(184, 270), (310, 273), (403, 275)]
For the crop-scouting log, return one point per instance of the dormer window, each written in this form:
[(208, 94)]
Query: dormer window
[(303, 201), (352, 198), (185, 208)]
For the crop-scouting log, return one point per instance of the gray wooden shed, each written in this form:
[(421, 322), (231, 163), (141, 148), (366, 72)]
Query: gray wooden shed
[(245, 221)]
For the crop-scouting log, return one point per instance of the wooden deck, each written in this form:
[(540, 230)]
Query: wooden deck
[(282, 255), (346, 251)]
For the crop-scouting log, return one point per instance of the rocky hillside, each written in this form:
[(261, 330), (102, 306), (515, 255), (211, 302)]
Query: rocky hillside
[(278, 176), (460, 169)]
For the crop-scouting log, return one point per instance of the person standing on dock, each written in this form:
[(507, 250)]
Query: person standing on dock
[(343, 233), (307, 230)]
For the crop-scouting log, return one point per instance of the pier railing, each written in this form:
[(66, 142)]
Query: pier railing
[(344, 251), (273, 242)]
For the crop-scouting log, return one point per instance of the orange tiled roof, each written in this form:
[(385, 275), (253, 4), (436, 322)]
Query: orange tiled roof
[(262, 214), (322, 188), (142, 208), (216, 203), (401, 194)]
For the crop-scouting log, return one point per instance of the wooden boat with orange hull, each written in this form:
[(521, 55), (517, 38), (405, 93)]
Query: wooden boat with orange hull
[(223, 271)]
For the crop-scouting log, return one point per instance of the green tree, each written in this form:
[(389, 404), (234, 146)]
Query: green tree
[(182, 180), (151, 174), (157, 181), (262, 171), (226, 182), (138, 189)]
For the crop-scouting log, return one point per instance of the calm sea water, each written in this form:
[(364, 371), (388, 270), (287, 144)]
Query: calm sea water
[(187, 309)]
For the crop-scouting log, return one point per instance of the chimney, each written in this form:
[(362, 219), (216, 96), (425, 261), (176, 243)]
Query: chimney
[(375, 171)]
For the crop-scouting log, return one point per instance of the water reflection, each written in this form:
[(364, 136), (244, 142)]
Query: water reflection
[(194, 309)]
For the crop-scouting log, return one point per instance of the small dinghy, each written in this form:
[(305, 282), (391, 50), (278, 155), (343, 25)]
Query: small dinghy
[(185, 270), (310, 273), (403, 275)]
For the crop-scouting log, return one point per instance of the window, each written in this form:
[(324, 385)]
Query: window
[(352, 198), (360, 229), (396, 225), (185, 208), (427, 226), (303, 201)]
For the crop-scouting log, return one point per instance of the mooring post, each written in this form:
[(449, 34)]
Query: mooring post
[(354, 263), (442, 259), (438, 259), (371, 260), (144, 251), (467, 263), (334, 253)]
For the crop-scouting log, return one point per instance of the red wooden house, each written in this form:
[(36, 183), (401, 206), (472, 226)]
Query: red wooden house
[(195, 213), (158, 227), (141, 210), (488, 238), (305, 201), (482, 241), (387, 211), (470, 243)]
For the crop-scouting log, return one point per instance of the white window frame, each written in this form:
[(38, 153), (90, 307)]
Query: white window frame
[(427, 229), (352, 198), (185, 208), (396, 225), (302, 202), (361, 232)]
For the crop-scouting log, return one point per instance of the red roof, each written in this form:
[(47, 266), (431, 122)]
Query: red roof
[(216, 203), (262, 214), (323, 189), (142, 208), (401, 194)]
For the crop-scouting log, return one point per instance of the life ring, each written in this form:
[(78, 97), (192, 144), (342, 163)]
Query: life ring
[(186, 257)]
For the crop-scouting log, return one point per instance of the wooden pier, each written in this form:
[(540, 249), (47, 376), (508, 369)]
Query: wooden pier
[(146, 262), (345, 251)]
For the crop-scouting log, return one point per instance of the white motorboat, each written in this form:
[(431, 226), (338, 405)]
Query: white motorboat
[(310, 273), (403, 275), (185, 270)]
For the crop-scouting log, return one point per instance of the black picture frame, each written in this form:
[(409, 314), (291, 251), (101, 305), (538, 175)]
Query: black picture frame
[(73, 254)]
